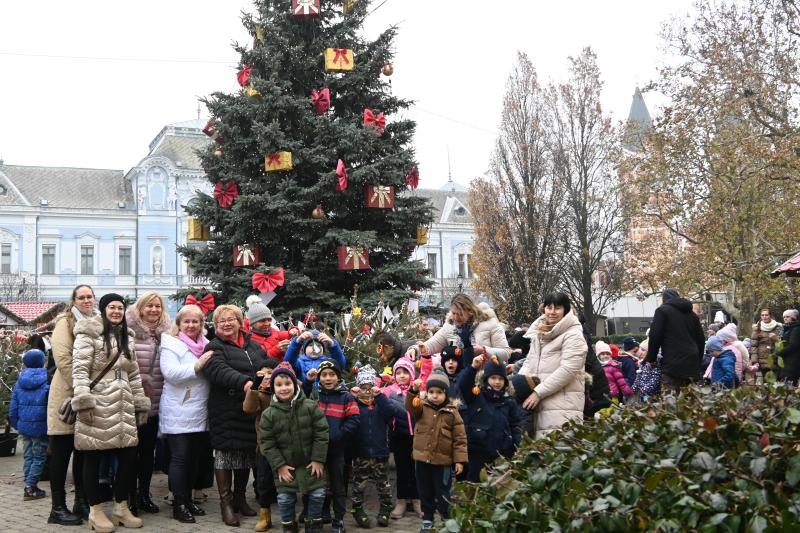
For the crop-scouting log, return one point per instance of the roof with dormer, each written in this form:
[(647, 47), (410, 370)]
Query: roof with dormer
[(64, 187), (449, 206), (180, 142)]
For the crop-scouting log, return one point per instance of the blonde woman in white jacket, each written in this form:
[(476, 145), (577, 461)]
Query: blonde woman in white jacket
[(557, 357)]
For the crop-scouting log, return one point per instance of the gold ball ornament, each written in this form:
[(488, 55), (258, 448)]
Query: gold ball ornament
[(388, 69), (318, 213), (218, 152)]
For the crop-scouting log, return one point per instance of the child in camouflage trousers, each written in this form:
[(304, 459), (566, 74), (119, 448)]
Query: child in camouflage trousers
[(371, 446)]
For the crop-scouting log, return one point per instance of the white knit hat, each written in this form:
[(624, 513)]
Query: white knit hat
[(257, 312), (601, 347)]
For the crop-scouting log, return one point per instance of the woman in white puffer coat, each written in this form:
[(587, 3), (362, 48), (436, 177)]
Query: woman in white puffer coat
[(557, 357)]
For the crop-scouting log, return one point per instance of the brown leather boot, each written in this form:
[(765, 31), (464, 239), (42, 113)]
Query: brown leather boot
[(224, 481), (240, 478)]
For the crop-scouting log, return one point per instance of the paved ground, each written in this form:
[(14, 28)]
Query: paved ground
[(19, 516)]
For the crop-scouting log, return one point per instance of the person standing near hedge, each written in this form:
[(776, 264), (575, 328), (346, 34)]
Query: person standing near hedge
[(81, 306), (791, 346), (766, 334)]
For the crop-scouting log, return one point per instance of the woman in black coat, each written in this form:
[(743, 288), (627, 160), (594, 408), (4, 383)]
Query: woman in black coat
[(791, 346), (231, 371)]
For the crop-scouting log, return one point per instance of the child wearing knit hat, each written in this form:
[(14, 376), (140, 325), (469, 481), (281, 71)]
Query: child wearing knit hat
[(722, 369), (436, 450)]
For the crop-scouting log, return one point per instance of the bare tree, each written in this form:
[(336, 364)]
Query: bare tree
[(17, 287)]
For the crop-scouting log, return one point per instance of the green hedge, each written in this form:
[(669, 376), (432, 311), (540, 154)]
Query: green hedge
[(706, 461), (617, 339)]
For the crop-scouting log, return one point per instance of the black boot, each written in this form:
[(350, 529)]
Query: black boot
[(195, 509), (133, 505), (81, 506), (362, 520), (326, 510), (59, 514), (337, 526), (181, 513), (240, 493), (383, 515), (289, 527), (314, 525), (146, 503)]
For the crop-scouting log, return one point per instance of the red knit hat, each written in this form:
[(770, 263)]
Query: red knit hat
[(614, 351)]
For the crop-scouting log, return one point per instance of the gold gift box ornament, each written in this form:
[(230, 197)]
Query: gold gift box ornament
[(197, 230), (422, 235), (278, 161), (338, 60)]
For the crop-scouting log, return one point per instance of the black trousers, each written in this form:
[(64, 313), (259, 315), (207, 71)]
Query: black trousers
[(266, 494), (336, 481), (61, 447), (204, 477), (477, 460), (146, 454), (185, 449), (123, 482), (402, 447), (433, 486)]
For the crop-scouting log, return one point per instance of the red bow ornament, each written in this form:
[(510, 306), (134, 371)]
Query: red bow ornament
[(226, 193), (268, 282), (243, 77), (412, 178), (206, 303), (379, 122), (341, 173), (321, 101), (212, 132)]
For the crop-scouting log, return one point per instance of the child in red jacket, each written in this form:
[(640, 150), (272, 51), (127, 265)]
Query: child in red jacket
[(616, 379)]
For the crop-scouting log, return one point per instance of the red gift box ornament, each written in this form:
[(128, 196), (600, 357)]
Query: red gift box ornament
[(341, 173), (321, 101), (246, 255), (243, 77), (212, 132), (305, 8), (378, 122), (226, 193), (268, 282), (412, 178), (353, 258), (379, 196), (206, 303)]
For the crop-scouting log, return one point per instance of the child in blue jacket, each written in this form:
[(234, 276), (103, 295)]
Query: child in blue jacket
[(28, 413), (492, 419), (307, 351), (723, 363)]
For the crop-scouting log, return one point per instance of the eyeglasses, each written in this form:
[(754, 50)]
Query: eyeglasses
[(227, 321)]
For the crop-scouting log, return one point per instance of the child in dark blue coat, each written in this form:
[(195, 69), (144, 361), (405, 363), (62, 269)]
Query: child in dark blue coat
[(492, 417), (28, 413), (723, 364), (307, 351)]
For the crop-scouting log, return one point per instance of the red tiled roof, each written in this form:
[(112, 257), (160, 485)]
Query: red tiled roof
[(790, 267), (29, 311)]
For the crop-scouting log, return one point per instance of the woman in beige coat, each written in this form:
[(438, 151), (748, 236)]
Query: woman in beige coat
[(467, 319), (81, 305), (557, 357), (109, 405)]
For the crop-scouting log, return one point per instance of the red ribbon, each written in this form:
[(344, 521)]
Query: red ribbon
[(341, 172), (212, 132), (268, 282), (244, 75), (321, 101), (371, 120), (412, 178), (274, 160), (340, 55), (206, 303), (226, 193)]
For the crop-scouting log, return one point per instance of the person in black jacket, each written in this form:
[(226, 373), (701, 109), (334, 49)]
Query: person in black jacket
[(598, 392), (677, 333), (791, 346), (231, 372)]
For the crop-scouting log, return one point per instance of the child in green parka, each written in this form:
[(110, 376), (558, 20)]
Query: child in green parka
[(294, 439)]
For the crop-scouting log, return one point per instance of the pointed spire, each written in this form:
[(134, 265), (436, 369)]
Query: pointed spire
[(639, 123)]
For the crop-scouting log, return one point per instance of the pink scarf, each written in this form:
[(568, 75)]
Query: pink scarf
[(196, 347)]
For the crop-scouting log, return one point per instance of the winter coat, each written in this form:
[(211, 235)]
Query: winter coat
[(616, 381), (269, 341), (254, 404), (723, 370), (493, 420), (227, 371), (628, 365), (184, 399), (148, 353), (107, 413), (762, 342), (440, 437), (341, 411), (294, 433), (677, 332), (372, 439), (791, 351), (597, 393), (295, 356), (558, 358), (28, 410), (488, 333), (61, 386), (403, 424)]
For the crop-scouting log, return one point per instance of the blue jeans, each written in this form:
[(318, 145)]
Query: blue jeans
[(34, 451), (287, 501)]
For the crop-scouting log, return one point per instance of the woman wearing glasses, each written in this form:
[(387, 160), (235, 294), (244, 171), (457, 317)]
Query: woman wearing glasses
[(231, 371)]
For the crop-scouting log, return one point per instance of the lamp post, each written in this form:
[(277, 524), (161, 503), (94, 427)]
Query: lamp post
[(460, 280)]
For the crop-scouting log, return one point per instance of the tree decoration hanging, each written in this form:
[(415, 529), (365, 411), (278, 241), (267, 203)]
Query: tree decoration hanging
[(349, 5), (226, 192), (379, 196), (318, 212), (387, 69), (305, 8), (372, 121), (243, 76), (197, 230), (338, 60), (341, 174), (353, 258), (412, 178), (321, 100), (264, 282), (205, 303), (218, 153), (210, 129), (245, 255), (278, 161)]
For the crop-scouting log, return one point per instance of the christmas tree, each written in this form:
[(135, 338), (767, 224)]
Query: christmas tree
[(312, 167)]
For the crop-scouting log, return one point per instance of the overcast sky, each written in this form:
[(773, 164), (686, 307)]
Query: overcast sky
[(94, 109)]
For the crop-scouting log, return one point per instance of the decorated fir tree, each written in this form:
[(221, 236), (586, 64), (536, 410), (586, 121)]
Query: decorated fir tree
[(312, 165)]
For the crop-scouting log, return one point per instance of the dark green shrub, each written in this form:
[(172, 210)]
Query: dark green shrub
[(617, 339), (10, 366)]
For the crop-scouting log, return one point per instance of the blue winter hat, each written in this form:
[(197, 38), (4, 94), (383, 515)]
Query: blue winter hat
[(33, 359), (629, 343), (714, 344)]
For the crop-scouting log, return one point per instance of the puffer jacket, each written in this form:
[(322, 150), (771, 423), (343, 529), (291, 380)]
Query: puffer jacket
[(269, 341), (488, 333), (616, 381), (107, 413), (440, 437), (302, 363), (184, 399), (227, 371), (28, 410), (558, 358), (762, 342), (341, 412), (148, 354), (372, 439), (295, 433), (403, 424), (61, 386)]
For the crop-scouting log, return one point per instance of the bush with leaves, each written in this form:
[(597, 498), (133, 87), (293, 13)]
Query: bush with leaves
[(11, 350), (705, 461)]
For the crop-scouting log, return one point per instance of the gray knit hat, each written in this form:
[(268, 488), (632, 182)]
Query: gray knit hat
[(258, 311), (366, 375), (438, 379)]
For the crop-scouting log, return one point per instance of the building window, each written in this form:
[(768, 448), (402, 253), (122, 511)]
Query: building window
[(125, 261), (5, 258), (87, 260), (432, 265), (48, 259), (465, 266)]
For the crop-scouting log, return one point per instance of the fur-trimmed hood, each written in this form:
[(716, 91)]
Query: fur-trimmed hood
[(142, 330), (93, 328)]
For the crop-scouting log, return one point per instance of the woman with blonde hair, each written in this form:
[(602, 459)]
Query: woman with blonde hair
[(183, 413), (231, 372), (148, 320)]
